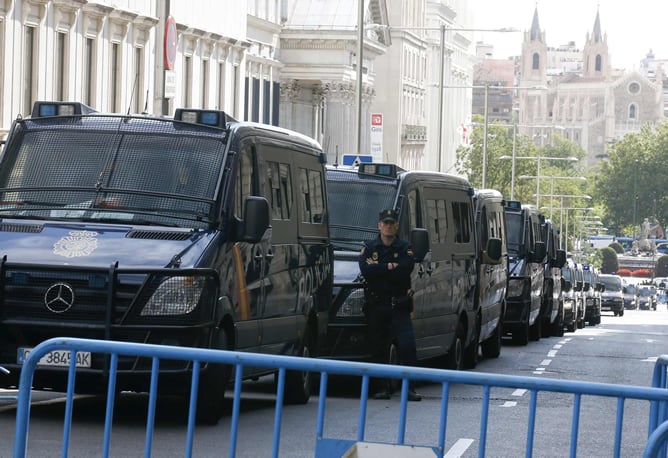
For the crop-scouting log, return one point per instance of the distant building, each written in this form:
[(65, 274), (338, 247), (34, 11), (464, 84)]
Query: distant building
[(592, 106), (494, 80)]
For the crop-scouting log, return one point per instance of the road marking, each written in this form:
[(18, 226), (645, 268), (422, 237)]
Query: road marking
[(508, 404), (546, 362), (519, 392), (459, 448), (552, 353), (557, 346), (651, 359), (539, 370)]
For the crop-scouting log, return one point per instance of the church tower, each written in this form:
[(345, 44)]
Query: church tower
[(533, 78), (595, 56)]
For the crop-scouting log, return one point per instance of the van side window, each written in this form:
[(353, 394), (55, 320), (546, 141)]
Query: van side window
[(462, 223), (279, 187), (244, 182), (487, 227), (312, 196), (413, 210), (437, 220)]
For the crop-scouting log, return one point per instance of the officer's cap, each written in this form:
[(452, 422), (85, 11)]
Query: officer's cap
[(388, 215)]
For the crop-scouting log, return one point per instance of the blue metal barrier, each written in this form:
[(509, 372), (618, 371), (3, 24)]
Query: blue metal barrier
[(657, 395)]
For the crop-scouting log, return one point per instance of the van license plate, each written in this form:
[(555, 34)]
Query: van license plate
[(56, 358)]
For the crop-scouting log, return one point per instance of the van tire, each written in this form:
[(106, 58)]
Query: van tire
[(521, 334), (535, 330), (212, 385), (454, 357), (491, 348), (298, 384), (470, 356)]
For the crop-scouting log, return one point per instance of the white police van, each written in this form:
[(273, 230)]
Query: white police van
[(195, 231)]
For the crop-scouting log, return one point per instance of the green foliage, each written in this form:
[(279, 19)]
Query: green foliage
[(617, 247), (631, 181), (609, 262), (662, 267)]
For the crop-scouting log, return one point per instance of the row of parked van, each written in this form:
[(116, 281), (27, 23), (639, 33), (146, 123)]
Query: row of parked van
[(203, 231), (485, 267)]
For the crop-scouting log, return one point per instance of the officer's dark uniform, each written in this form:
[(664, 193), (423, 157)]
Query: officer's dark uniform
[(383, 287)]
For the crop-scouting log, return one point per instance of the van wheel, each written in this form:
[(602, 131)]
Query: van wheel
[(621, 312), (491, 348), (558, 326), (571, 326), (521, 334), (455, 355), (470, 357), (212, 384), (298, 383), (535, 330)]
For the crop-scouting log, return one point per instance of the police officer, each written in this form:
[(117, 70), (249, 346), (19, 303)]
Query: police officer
[(386, 264)]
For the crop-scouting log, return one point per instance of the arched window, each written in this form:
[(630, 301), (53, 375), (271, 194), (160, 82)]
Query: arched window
[(633, 111), (536, 61), (598, 63)]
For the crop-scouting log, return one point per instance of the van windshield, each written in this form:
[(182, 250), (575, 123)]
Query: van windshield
[(354, 204), (514, 233), (611, 284), (100, 168)]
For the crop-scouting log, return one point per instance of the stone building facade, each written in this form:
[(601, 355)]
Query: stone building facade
[(593, 107)]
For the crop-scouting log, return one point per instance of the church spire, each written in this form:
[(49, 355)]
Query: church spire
[(597, 36), (535, 27)]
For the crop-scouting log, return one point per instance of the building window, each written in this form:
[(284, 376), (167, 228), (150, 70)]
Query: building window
[(205, 83), (187, 81), (28, 67), (221, 86), (536, 61), (598, 63), (115, 78), (89, 65), (60, 77), (138, 90), (633, 87), (633, 112)]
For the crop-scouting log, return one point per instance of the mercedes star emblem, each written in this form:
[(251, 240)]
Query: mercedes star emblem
[(59, 297)]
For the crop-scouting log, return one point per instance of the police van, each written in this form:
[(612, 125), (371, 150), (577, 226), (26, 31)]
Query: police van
[(526, 253), (433, 206), (492, 259), (195, 231), (552, 306)]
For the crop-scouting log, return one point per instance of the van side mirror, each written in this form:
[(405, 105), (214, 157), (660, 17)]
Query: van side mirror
[(601, 287), (256, 219), (561, 259), (420, 242), (624, 289), (492, 253), (538, 252)]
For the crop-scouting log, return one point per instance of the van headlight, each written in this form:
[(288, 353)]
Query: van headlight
[(353, 305), (174, 296), (515, 287)]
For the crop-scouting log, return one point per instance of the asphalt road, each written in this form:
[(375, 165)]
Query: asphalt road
[(621, 350)]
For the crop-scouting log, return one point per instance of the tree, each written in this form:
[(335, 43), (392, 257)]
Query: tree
[(617, 247), (631, 181), (609, 263)]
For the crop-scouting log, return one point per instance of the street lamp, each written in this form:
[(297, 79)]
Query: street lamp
[(537, 176), (552, 178), (561, 222)]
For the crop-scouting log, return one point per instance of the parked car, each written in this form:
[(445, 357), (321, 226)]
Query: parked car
[(552, 306), (526, 257), (612, 297), (196, 231), (592, 290), (630, 292), (572, 295), (492, 282), (646, 298), (436, 205)]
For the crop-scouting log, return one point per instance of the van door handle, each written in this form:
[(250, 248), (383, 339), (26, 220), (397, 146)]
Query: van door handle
[(420, 271), (269, 255), (430, 270)]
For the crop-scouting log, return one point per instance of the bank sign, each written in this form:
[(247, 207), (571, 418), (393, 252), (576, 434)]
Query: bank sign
[(376, 136)]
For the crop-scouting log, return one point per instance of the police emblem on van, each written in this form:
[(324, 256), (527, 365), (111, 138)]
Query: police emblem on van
[(59, 297), (77, 243)]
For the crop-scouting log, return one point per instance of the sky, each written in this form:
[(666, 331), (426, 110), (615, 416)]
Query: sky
[(633, 28)]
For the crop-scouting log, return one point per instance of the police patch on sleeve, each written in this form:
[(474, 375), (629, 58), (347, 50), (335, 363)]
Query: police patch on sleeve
[(374, 256)]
